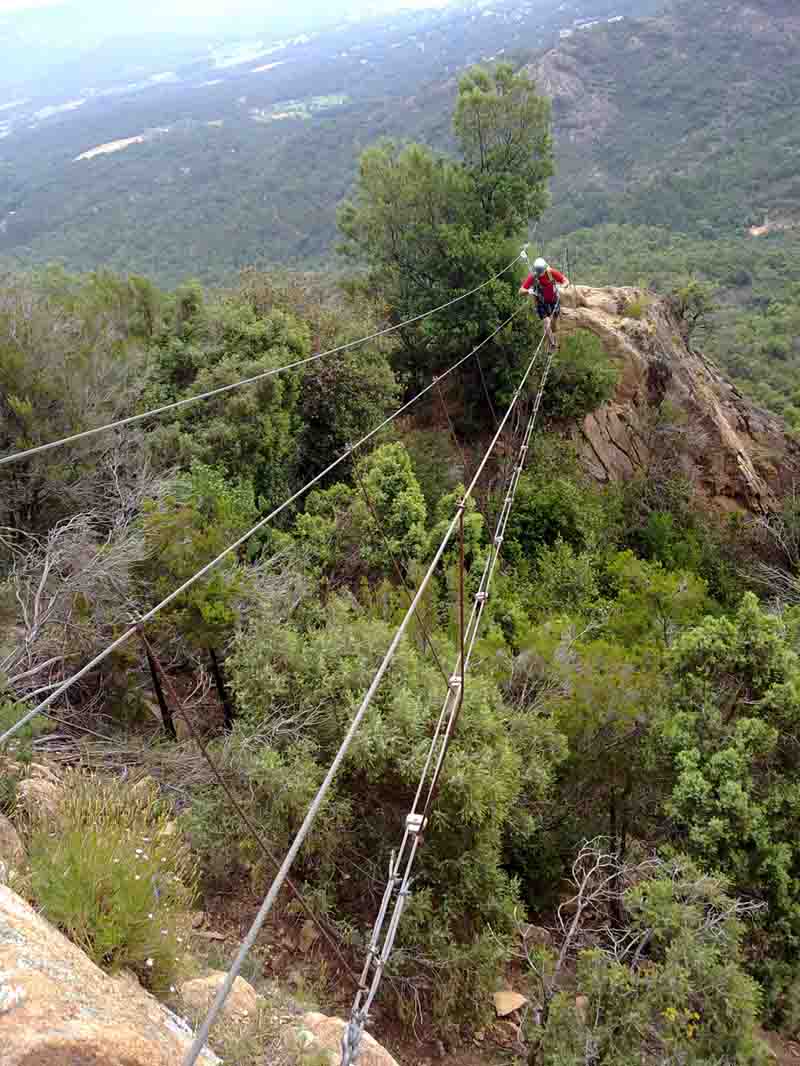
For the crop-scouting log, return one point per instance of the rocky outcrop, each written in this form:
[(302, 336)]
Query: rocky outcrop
[(12, 853), (737, 456), (198, 995), (319, 1033), (583, 112), (58, 1009), (40, 793)]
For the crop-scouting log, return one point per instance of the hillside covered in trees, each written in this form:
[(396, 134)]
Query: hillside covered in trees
[(674, 131), (677, 148), (246, 149), (615, 832)]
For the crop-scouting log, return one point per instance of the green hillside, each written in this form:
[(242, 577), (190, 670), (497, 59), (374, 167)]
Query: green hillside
[(689, 120), (678, 140), (322, 548), (243, 160)]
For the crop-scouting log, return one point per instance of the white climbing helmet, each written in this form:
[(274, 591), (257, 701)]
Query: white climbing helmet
[(539, 267)]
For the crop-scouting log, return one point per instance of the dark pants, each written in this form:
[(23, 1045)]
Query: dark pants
[(544, 309)]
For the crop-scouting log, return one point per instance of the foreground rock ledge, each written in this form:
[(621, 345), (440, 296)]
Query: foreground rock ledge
[(318, 1033), (58, 1009)]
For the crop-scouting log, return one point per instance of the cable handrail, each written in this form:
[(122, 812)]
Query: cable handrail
[(175, 405), (398, 883), (119, 641), (266, 906)]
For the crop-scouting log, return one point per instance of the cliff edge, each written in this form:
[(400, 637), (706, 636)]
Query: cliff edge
[(738, 457)]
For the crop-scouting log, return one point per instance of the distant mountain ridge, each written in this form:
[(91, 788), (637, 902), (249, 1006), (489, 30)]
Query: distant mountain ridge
[(254, 151), (199, 158), (690, 119)]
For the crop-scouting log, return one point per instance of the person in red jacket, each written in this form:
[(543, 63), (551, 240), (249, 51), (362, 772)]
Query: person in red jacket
[(542, 283)]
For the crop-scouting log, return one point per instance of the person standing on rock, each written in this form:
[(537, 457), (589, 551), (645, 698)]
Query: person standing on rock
[(543, 283)]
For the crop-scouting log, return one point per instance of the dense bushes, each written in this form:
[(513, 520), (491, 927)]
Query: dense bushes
[(297, 691), (620, 685), (581, 378), (378, 523), (734, 709), (664, 984)]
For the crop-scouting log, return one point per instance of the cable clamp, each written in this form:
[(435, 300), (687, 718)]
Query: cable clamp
[(347, 449), (415, 823), (524, 449), (481, 597), (498, 540), (455, 683)]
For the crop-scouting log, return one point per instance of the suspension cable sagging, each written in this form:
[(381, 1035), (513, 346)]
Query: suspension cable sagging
[(319, 798), (155, 411), (401, 865), (120, 640)]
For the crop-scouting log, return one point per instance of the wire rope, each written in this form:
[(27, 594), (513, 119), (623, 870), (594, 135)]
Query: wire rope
[(120, 640), (267, 904), (119, 423)]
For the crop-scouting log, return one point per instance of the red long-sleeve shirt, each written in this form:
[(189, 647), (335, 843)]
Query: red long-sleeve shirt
[(546, 283)]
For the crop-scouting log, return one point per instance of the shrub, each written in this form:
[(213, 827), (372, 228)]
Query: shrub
[(253, 434), (340, 400), (637, 307), (565, 580), (190, 525), (297, 692), (339, 530), (398, 502), (653, 604), (110, 873), (730, 728), (679, 979), (436, 463), (693, 303), (581, 378), (548, 509)]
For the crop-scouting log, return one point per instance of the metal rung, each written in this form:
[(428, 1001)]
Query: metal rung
[(415, 823)]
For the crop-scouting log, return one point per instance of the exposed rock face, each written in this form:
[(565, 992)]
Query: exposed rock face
[(317, 1032), (736, 455), (38, 797), (40, 793), (58, 1009), (199, 994), (12, 853), (583, 112)]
